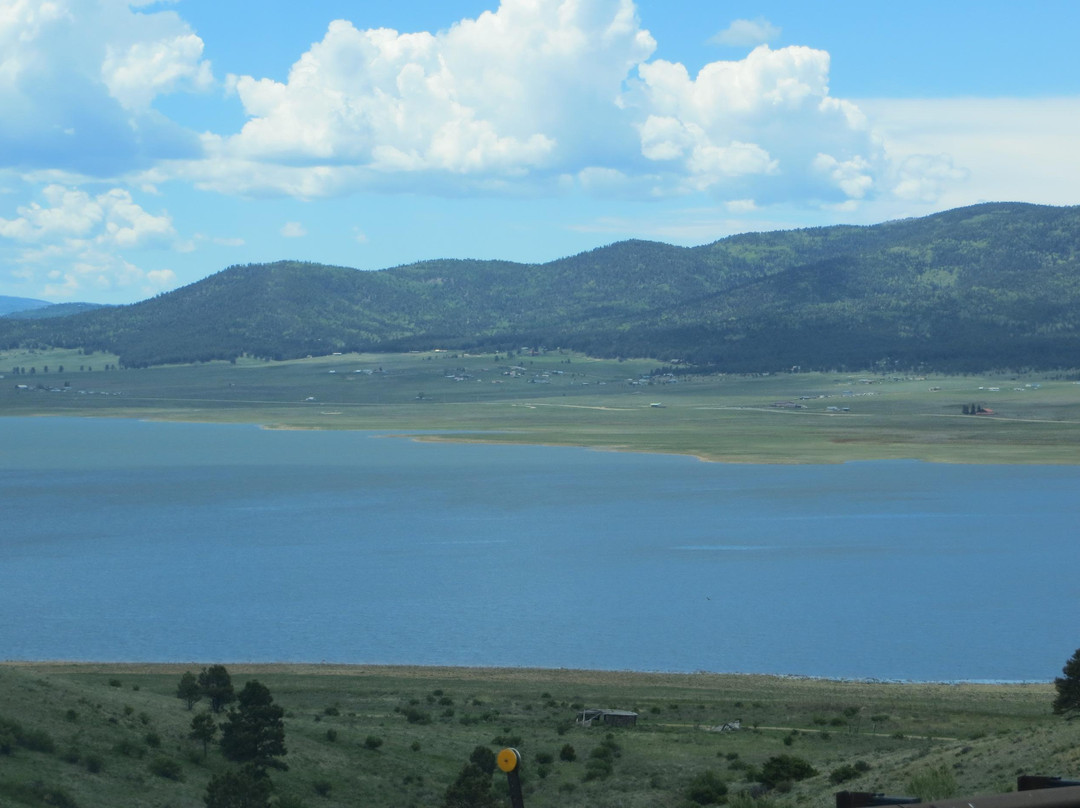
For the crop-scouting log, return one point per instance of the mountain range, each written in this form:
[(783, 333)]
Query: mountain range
[(989, 286)]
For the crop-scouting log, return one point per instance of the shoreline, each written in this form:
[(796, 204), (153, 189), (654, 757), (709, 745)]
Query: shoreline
[(502, 673), (461, 437)]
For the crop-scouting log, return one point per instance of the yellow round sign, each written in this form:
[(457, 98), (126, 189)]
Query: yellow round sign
[(508, 759)]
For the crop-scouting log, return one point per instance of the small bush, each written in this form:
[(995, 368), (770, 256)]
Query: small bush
[(544, 758), (933, 784), (115, 683), (94, 764), (38, 793), (483, 759), (36, 740), (129, 748), (598, 768), (331, 735), (332, 711), (417, 716), (71, 716), (322, 787), (166, 767), (707, 789), (783, 769), (567, 753), (843, 774), (415, 746), (373, 742), (153, 740)]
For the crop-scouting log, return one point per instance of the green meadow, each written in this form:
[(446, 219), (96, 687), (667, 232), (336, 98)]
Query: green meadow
[(568, 399), (101, 736)]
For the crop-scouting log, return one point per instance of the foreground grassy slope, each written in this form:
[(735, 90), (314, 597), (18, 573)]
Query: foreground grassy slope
[(565, 398), (112, 725)]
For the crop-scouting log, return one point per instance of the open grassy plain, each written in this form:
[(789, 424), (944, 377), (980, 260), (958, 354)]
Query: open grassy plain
[(397, 737), (568, 399)]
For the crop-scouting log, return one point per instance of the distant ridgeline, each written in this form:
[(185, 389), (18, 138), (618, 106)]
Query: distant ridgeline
[(978, 288)]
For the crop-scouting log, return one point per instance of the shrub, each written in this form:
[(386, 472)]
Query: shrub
[(785, 769), (416, 716), (746, 799), (129, 748), (373, 742), (843, 774), (38, 793), (332, 711), (567, 753), (484, 759), (598, 768), (331, 735), (544, 757), (36, 740), (94, 764), (115, 683), (707, 789), (153, 740), (322, 787), (933, 784), (166, 767)]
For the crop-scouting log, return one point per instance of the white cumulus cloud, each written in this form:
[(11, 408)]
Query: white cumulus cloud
[(72, 241), (747, 33), (537, 97), (77, 81)]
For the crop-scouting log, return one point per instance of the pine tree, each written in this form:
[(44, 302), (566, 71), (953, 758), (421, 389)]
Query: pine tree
[(1067, 701), (254, 732)]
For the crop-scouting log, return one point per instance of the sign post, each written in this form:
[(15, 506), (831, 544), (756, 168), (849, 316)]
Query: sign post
[(509, 761)]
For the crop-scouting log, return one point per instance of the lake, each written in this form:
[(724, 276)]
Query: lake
[(123, 540)]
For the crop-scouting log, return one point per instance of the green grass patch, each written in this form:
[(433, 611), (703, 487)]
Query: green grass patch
[(568, 399), (367, 752)]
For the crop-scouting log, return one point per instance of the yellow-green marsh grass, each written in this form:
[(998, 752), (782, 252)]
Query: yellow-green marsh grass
[(567, 399)]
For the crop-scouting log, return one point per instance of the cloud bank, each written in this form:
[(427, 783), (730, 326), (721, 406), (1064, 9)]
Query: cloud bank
[(536, 98)]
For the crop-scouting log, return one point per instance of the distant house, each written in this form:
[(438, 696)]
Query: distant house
[(612, 718)]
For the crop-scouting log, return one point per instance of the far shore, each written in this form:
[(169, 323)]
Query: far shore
[(502, 674)]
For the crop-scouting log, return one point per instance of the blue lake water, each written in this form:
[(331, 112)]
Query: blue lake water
[(123, 540)]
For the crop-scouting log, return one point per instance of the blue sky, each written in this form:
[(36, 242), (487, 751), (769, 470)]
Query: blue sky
[(144, 146)]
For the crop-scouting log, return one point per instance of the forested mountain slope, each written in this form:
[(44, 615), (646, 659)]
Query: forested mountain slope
[(995, 285)]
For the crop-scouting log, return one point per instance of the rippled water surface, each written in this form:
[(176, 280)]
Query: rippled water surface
[(125, 540)]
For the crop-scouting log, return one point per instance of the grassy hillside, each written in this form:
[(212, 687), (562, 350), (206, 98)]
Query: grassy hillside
[(398, 737), (990, 286)]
